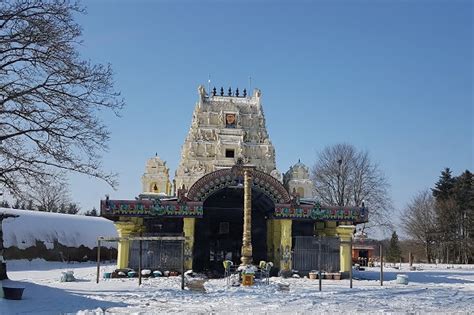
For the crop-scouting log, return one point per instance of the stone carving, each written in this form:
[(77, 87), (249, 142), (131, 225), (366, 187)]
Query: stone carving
[(276, 174), (202, 92), (222, 123)]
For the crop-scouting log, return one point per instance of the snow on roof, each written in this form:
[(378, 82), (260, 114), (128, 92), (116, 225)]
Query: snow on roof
[(67, 229)]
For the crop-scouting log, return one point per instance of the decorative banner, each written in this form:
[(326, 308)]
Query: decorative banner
[(316, 212), (110, 208), (174, 208)]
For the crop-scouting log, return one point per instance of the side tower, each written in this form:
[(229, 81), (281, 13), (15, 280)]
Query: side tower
[(224, 128), (156, 178), (297, 178)]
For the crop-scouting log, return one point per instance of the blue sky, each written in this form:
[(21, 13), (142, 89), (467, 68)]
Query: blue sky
[(391, 77)]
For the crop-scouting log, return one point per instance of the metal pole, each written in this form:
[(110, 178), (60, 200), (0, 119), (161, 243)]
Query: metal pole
[(319, 265), (381, 265), (98, 260), (140, 262), (182, 265), (350, 266)]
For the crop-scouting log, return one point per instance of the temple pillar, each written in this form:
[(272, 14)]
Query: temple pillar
[(330, 228), (285, 244), (247, 249), (126, 229), (188, 229), (345, 233), (276, 238)]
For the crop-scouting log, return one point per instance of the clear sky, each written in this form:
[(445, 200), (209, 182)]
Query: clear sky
[(392, 77)]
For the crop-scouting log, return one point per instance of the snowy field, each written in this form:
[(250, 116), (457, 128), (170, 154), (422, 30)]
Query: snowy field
[(434, 289)]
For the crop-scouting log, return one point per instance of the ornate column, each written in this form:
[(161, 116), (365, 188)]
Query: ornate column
[(188, 229), (345, 234), (124, 229), (247, 230), (285, 244)]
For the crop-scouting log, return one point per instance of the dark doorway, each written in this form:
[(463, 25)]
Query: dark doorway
[(302, 228), (218, 235), (363, 258)]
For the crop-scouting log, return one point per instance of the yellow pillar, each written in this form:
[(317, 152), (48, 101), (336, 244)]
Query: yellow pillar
[(285, 244), (345, 234), (330, 228), (188, 229), (276, 240), (124, 229)]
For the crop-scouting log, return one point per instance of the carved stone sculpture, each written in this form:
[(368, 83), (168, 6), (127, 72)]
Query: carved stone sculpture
[(225, 126)]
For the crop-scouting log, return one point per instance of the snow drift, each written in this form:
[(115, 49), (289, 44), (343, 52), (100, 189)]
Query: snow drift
[(50, 228)]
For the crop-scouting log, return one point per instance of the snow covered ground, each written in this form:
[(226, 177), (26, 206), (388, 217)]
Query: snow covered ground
[(433, 289)]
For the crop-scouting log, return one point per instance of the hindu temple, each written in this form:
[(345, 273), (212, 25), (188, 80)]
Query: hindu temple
[(227, 196)]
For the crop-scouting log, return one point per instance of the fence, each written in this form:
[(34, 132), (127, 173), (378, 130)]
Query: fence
[(169, 252), (306, 252), (156, 255)]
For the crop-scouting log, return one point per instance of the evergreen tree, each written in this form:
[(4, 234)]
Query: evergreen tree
[(72, 208), (464, 197), (92, 213), (17, 204), (5, 204), (394, 253), (446, 215), (62, 208), (444, 186)]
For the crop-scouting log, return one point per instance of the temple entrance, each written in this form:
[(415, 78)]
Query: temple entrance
[(218, 235)]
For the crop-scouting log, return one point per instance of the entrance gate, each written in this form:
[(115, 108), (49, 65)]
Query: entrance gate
[(218, 234), (306, 253)]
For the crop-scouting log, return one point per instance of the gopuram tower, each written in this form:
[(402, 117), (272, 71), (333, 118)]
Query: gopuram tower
[(225, 127)]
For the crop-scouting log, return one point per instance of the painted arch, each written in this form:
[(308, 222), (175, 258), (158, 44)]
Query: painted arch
[(217, 180)]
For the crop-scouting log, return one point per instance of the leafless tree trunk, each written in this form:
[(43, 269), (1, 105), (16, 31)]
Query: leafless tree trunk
[(49, 96), (345, 176), (419, 221)]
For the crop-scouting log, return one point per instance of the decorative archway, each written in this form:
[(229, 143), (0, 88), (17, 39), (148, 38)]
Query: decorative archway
[(218, 233), (231, 177)]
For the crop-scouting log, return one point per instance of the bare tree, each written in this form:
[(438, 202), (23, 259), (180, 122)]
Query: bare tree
[(49, 96), (51, 196), (419, 221), (345, 176)]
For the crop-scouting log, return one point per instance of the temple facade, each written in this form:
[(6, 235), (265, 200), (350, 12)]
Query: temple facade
[(204, 200)]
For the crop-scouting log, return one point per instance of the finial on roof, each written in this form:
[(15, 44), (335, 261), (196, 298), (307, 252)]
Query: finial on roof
[(299, 160), (156, 153), (222, 91), (229, 92)]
